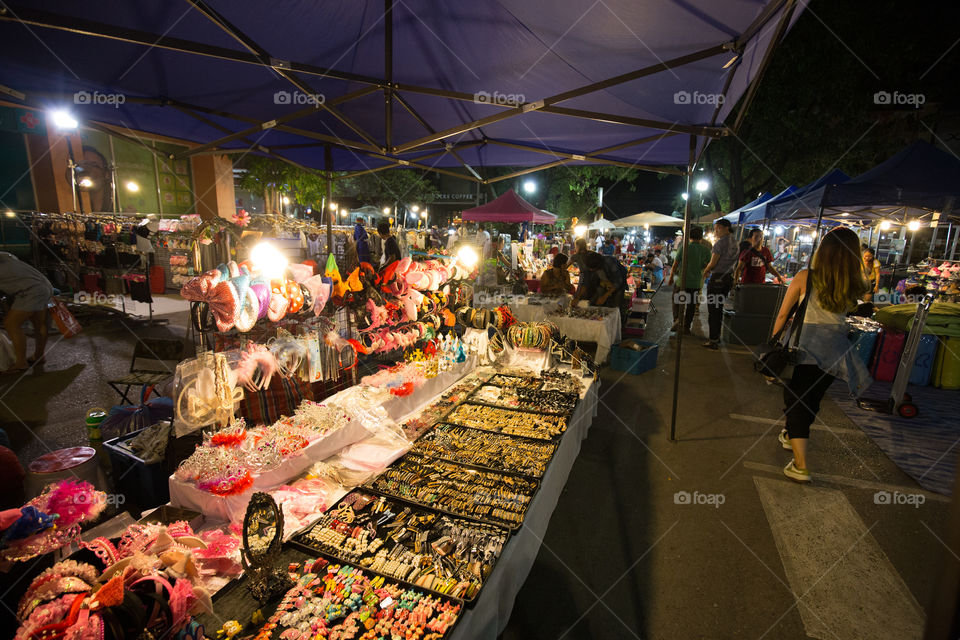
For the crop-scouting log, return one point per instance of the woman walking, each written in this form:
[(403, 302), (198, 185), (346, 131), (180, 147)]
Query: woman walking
[(31, 292), (833, 283)]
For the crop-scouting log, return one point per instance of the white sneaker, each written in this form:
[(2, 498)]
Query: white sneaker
[(784, 440), (795, 473)]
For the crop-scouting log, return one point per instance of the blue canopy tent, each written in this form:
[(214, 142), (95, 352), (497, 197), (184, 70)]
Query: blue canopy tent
[(805, 201), (760, 212), (348, 87), (734, 216)]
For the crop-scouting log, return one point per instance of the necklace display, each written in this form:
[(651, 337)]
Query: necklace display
[(445, 555), (485, 495), (486, 449)]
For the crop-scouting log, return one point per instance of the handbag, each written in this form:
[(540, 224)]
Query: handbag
[(774, 363)]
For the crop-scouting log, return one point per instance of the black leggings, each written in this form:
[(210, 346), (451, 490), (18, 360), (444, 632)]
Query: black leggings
[(802, 396)]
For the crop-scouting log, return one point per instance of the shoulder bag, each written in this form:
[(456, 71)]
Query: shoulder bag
[(774, 364)]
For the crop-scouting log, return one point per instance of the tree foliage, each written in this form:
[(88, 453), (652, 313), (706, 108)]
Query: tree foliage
[(391, 187), (274, 178)]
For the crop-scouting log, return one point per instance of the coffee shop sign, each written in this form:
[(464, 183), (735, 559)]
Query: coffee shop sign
[(453, 197)]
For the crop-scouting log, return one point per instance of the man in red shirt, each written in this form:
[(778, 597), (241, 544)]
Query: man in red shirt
[(755, 261)]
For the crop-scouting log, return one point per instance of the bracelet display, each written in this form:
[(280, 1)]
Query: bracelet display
[(448, 556), (486, 449)]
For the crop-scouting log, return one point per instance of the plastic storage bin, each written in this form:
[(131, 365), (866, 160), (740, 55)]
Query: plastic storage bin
[(143, 485), (758, 299), (634, 362), (946, 367), (887, 359), (747, 328), (864, 342)]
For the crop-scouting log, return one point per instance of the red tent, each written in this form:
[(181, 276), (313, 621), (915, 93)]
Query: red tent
[(508, 208)]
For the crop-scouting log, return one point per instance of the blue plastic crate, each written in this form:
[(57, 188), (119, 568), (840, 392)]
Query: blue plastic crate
[(634, 362), (143, 485), (923, 362)]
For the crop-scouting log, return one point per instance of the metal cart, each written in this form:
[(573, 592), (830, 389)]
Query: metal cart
[(900, 402)]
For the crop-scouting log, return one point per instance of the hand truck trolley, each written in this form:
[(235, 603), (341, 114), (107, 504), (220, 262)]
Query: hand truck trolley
[(900, 402)]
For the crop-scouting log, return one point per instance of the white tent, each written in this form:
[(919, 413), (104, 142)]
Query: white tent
[(602, 225), (651, 218)]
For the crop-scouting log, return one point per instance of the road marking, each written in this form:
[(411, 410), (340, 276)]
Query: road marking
[(818, 427), (854, 482), (843, 582)]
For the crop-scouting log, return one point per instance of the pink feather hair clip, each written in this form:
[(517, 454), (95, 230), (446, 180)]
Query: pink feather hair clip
[(256, 357)]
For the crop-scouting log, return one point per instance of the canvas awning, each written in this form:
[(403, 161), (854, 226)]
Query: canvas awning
[(651, 218)]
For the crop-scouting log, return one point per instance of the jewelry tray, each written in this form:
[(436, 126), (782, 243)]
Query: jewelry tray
[(450, 419), (300, 541), (430, 435)]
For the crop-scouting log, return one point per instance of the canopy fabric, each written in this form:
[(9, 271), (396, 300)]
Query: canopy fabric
[(508, 208), (466, 84), (760, 212), (734, 216), (651, 218), (918, 179), (805, 201), (601, 225)]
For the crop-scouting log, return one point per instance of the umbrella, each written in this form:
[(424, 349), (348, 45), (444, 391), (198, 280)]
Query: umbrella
[(651, 218), (602, 224)]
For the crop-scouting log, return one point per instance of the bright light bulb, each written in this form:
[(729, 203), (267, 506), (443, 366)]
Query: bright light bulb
[(132, 186), (467, 257), (914, 225), (86, 183), (333, 206), (386, 210), (778, 230), (9, 214), (580, 230), (344, 212), (63, 120), (685, 195), (529, 186), (286, 200), (415, 208), (885, 225), (424, 215), (268, 260), (702, 185)]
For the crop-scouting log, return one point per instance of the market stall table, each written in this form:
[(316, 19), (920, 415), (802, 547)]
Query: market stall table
[(488, 618), (605, 332)]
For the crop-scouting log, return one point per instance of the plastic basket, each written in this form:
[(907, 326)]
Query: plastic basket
[(143, 485), (634, 362)]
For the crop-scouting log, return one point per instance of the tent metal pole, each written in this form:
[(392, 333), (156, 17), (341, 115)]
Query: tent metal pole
[(946, 242), (388, 72), (953, 247), (328, 165), (683, 263)]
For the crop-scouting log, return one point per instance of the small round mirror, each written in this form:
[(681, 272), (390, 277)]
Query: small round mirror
[(262, 528)]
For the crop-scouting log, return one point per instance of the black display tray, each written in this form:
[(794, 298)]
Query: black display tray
[(300, 542), (487, 520), (494, 380), (474, 398), (431, 434), (235, 602), (450, 419)]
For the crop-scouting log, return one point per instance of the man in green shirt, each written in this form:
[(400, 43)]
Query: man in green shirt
[(687, 291)]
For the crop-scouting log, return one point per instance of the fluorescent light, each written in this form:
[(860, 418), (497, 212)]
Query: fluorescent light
[(63, 120), (132, 186)]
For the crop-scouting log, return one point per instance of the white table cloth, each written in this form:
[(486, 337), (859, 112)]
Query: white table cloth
[(489, 616), (604, 332)]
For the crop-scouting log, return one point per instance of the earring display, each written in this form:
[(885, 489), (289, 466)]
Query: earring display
[(511, 422), (447, 556), (554, 402), (484, 495), (433, 413), (343, 601), (486, 449), (502, 380)]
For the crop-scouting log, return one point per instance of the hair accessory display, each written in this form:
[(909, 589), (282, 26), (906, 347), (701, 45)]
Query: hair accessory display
[(509, 421), (486, 449)]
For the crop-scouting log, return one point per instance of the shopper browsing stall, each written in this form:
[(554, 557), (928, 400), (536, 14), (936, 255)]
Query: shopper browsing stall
[(720, 271), (871, 273), (755, 261), (391, 250), (610, 281), (687, 292)]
